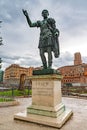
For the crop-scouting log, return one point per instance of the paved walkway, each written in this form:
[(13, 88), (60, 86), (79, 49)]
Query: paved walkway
[(77, 122)]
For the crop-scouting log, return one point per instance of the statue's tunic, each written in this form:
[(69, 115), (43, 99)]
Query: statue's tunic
[(48, 37)]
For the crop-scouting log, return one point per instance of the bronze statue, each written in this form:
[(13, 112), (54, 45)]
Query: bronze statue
[(48, 40)]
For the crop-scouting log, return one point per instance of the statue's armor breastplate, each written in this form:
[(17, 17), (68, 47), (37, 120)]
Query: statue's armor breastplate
[(45, 31)]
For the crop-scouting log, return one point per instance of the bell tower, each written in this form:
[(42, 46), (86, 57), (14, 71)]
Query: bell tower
[(77, 58)]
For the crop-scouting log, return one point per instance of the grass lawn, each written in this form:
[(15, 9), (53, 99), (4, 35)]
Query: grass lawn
[(6, 99), (16, 92)]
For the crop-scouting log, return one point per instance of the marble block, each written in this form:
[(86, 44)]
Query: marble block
[(47, 107)]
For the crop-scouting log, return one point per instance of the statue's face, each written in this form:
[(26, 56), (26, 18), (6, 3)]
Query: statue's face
[(45, 13)]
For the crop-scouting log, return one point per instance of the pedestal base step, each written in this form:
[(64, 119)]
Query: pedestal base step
[(44, 120)]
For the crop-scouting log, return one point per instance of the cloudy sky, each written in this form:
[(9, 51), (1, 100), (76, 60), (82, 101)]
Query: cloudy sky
[(21, 42)]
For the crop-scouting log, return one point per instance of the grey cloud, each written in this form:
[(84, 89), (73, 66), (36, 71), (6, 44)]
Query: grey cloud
[(8, 59), (21, 42), (64, 59), (67, 59), (84, 59)]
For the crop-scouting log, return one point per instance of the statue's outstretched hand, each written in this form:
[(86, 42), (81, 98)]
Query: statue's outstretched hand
[(25, 12)]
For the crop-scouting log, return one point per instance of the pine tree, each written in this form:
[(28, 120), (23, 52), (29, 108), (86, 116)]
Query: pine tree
[(1, 37), (0, 45)]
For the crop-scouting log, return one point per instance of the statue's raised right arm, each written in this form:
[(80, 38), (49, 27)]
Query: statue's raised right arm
[(28, 19)]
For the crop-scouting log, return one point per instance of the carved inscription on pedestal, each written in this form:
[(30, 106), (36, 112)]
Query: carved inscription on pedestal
[(42, 88)]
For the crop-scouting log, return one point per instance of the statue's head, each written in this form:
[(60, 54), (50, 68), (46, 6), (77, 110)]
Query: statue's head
[(45, 13)]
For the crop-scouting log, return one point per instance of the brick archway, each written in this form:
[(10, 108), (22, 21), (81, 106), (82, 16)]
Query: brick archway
[(22, 81)]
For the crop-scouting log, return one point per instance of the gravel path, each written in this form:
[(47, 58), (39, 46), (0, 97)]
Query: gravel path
[(77, 122)]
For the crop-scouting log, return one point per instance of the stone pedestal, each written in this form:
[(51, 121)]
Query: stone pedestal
[(47, 107)]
